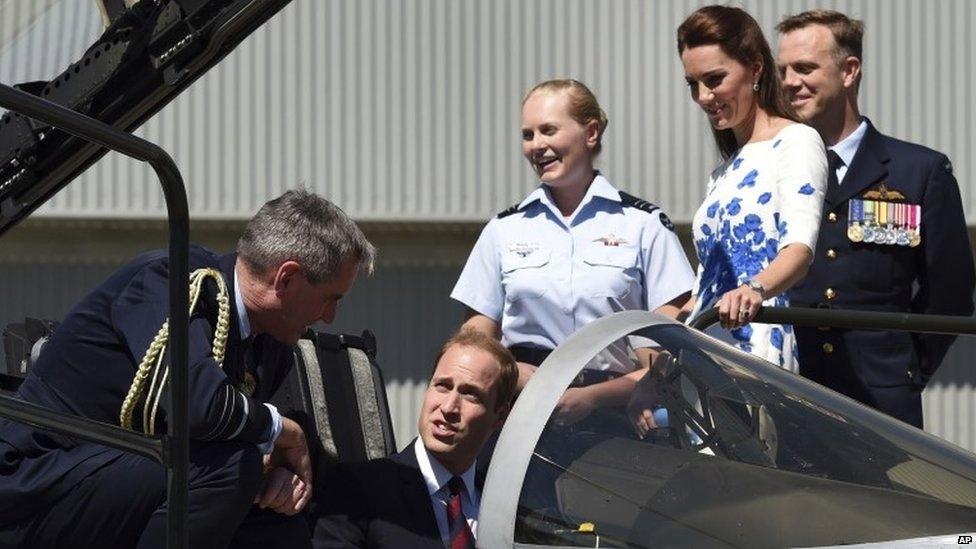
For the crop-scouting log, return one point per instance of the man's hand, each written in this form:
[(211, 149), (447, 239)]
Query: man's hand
[(283, 492), (576, 404), (291, 455)]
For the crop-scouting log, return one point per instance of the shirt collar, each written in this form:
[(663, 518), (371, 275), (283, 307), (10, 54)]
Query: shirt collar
[(436, 476), (599, 187), (847, 147), (243, 322)]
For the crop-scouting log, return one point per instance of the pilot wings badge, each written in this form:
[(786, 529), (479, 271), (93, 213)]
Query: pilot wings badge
[(611, 240), (882, 192)]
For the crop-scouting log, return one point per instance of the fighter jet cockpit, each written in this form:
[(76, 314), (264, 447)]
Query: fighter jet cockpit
[(739, 453)]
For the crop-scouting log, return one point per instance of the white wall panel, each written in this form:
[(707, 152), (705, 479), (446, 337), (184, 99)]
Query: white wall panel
[(949, 401), (408, 109)]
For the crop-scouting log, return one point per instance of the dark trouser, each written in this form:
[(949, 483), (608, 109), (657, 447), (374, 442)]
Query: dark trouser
[(123, 504)]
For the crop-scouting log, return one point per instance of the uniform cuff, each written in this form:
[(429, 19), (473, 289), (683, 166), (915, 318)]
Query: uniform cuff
[(275, 430)]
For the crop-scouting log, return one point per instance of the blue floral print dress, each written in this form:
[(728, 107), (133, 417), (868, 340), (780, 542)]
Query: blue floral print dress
[(766, 196)]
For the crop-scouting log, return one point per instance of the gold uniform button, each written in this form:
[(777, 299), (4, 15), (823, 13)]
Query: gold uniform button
[(829, 293), (832, 217), (831, 254), (828, 348)]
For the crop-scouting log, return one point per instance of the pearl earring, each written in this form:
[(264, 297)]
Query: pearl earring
[(755, 86)]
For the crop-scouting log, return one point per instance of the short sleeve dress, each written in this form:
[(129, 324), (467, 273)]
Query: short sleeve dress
[(768, 195)]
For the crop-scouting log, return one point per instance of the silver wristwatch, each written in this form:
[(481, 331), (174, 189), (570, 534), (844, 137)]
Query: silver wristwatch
[(757, 286)]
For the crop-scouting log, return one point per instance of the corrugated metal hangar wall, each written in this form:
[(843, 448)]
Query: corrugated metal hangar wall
[(405, 113)]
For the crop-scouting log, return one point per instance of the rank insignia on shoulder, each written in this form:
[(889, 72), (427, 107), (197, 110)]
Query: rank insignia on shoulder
[(639, 203), (508, 211), (645, 206), (890, 223)]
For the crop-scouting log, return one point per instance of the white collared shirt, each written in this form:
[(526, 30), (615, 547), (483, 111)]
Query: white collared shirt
[(847, 148), (245, 324), (436, 478), (543, 276)]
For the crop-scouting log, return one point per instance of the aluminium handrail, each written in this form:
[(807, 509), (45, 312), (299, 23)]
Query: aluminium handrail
[(851, 319), (173, 448)]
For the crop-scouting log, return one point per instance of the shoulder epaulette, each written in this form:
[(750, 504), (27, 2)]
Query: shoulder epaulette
[(639, 203), (645, 206), (508, 211)]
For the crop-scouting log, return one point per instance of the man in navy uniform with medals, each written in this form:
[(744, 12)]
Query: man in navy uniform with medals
[(892, 237), (250, 472)]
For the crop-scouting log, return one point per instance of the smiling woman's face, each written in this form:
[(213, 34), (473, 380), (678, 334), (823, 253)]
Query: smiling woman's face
[(720, 85), (559, 149)]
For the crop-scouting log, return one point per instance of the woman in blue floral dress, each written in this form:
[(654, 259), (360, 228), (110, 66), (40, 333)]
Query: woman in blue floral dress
[(756, 231)]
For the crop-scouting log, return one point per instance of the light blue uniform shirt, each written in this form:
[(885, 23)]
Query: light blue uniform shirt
[(542, 276)]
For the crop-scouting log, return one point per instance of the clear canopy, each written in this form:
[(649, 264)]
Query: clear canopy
[(735, 453)]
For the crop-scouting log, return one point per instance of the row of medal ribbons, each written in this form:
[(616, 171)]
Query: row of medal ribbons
[(880, 222)]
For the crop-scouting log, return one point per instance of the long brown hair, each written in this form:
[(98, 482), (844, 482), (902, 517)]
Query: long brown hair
[(738, 35)]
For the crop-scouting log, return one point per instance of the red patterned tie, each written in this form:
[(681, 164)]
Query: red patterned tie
[(460, 535)]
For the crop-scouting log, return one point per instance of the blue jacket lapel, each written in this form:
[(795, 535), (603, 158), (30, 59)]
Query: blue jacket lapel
[(416, 499)]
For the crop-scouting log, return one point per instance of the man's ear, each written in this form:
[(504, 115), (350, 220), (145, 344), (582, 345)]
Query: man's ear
[(502, 416), (286, 275), (851, 67)]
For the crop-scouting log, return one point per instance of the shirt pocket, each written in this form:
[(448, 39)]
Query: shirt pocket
[(884, 359), (610, 271), (525, 276)]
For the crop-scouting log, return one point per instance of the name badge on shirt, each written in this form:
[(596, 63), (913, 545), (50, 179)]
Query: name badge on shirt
[(524, 249), (882, 222)]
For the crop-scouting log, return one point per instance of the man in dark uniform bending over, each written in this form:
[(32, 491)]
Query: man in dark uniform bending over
[(298, 256)]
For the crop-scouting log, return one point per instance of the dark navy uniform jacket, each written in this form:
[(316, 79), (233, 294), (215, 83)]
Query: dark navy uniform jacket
[(887, 370), (89, 363), (379, 504)]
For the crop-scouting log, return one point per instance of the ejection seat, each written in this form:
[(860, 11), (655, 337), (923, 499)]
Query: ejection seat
[(336, 393)]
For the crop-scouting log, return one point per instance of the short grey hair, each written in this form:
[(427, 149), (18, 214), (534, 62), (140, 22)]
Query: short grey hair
[(303, 227)]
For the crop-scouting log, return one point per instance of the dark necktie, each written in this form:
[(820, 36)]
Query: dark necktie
[(833, 164), (457, 524)]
